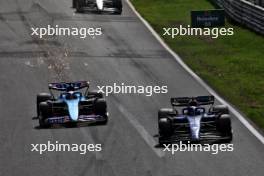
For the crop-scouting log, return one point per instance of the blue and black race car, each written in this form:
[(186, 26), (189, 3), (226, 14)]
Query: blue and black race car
[(71, 106), (194, 119)]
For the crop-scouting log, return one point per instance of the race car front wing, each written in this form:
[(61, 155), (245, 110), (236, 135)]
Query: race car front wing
[(81, 119)]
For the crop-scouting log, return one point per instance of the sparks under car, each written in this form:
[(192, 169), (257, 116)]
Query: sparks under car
[(71, 106), (111, 6), (192, 120)]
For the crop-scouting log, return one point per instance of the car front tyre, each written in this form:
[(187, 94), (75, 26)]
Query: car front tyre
[(79, 6), (224, 127), (118, 5), (73, 3), (44, 114), (165, 127), (100, 108)]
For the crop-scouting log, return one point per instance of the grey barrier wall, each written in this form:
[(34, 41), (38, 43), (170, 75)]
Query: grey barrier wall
[(244, 12), (257, 2)]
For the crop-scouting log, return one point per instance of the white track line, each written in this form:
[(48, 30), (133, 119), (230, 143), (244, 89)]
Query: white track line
[(141, 130), (197, 78)]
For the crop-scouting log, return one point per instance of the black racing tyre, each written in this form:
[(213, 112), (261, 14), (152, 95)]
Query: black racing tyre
[(118, 12), (95, 94), (166, 112), (118, 5), (223, 125), (165, 127), (73, 3), (42, 97), (100, 108), (79, 5), (221, 109), (45, 112), (42, 123), (103, 122)]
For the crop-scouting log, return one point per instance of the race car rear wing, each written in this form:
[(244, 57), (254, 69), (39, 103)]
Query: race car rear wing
[(186, 101), (69, 86)]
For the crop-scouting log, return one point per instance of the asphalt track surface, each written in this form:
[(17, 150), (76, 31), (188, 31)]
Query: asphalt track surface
[(126, 52)]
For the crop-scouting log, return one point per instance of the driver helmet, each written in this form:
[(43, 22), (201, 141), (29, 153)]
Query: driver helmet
[(70, 95), (191, 110)]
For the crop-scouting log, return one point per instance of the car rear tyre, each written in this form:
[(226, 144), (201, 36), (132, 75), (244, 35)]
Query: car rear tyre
[(42, 97), (165, 127), (221, 109)]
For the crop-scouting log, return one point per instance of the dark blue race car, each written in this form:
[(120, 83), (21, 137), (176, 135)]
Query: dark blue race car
[(108, 6), (71, 106), (194, 119)]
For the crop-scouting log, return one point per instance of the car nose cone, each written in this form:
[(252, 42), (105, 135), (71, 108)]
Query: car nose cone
[(194, 122), (73, 108)]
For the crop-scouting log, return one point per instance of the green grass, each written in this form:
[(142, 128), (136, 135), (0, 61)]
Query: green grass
[(232, 65)]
